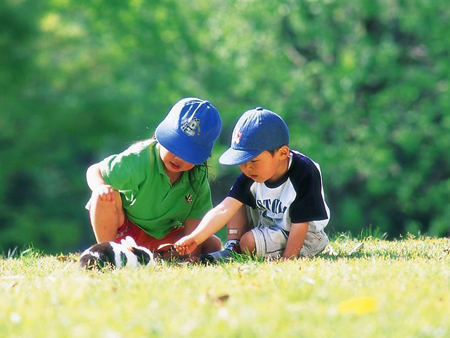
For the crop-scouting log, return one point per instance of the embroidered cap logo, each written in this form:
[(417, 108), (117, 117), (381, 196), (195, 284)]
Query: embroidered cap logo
[(237, 137), (190, 126)]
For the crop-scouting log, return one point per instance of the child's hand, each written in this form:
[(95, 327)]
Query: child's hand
[(186, 245), (105, 193)]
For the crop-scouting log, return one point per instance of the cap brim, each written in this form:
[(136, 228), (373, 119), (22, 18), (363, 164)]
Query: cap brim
[(236, 157), (181, 145)]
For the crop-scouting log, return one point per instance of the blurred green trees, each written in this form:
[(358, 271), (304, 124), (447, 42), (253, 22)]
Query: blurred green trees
[(363, 86)]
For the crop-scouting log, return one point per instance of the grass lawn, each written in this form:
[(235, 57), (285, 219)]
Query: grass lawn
[(383, 289)]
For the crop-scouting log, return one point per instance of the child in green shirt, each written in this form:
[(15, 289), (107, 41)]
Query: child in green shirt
[(157, 190)]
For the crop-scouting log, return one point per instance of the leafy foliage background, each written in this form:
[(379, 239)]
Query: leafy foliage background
[(363, 86)]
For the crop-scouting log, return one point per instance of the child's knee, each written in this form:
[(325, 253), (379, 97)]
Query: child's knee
[(212, 244), (96, 200), (112, 211), (247, 243)]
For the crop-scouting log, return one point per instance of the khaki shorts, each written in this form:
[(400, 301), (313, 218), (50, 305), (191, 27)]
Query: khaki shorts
[(271, 241)]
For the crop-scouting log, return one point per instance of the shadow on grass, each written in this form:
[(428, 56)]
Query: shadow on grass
[(344, 248), (389, 250)]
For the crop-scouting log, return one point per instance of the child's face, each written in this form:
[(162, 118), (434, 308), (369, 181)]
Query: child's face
[(267, 167), (173, 163)]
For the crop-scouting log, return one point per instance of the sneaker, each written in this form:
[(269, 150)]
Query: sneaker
[(231, 248)]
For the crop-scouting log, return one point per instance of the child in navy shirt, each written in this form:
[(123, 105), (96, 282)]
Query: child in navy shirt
[(276, 207)]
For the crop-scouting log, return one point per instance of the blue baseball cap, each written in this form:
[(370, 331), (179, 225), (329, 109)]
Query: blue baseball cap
[(190, 129), (257, 130)]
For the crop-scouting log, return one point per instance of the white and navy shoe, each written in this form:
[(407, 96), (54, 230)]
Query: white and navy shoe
[(115, 255), (232, 248)]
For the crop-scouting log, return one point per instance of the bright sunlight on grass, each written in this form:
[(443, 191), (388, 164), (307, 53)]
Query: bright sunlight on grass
[(358, 288)]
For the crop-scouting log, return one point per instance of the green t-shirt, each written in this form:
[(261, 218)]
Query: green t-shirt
[(149, 199)]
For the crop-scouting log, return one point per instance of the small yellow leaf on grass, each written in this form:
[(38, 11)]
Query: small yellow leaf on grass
[(358, 306)]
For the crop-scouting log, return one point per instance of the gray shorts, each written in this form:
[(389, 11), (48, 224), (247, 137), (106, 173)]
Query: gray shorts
[(271, 240)]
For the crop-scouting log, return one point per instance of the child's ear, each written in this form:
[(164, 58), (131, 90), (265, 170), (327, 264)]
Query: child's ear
[(284, 152)]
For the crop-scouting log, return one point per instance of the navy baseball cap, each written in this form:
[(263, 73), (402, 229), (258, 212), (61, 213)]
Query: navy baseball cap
[(190, 129), (257, 130)]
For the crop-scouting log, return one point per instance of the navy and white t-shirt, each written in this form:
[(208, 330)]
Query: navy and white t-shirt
[(297, 197)]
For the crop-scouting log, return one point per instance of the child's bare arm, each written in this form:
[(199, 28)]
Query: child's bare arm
[(189, 226), (213, 221), (98, 185), (94, 177), (295, 240)]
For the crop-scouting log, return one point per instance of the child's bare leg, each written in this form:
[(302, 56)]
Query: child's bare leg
[(236, 227), (248, 245), (212, 244), (238, 224), (106, 217)]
